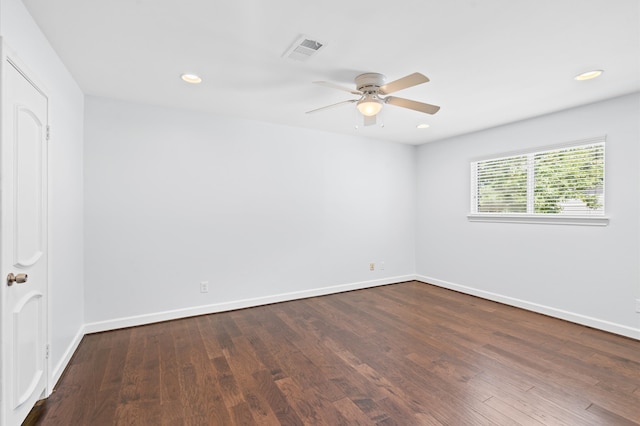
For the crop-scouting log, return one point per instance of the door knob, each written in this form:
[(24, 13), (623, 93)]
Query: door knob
[(20, 278)]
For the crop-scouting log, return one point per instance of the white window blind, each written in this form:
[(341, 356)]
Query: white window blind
[(561, 181)]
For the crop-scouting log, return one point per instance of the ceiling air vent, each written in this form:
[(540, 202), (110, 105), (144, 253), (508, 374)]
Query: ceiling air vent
[(303, 48)]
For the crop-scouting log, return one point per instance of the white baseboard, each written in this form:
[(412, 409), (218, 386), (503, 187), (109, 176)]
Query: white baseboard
[(136, 320), (623, 330), (57, 371)]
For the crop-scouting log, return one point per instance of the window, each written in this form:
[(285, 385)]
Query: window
[(556, 183)]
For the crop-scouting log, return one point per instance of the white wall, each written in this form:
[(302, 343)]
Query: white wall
[(22, 36), (261, 212), (585, 274)]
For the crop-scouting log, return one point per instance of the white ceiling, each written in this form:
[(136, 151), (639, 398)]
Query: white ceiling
[(489, 61)]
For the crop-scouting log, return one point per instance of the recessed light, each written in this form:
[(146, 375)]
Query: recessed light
[(588, 75), (191, 78), (422, 126)]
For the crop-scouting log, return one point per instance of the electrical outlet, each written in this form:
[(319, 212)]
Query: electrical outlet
[(372, 266), (204, 287), (638, 305), (381, 265)]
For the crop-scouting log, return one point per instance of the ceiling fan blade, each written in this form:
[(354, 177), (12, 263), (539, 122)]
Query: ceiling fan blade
[(332, 106), (414, 105), (337, 86), (403, 83), (369, 120)]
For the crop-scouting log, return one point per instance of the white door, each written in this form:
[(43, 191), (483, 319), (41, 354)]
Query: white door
[(23, 253)]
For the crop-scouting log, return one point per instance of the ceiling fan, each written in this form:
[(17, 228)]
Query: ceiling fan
[(371, 86)]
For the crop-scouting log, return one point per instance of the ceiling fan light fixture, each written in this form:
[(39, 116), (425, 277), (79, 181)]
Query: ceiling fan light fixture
[(369, 106)]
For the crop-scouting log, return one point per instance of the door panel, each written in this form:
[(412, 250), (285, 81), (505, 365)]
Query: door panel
[(23, 225), (28, 186), (27, 345)]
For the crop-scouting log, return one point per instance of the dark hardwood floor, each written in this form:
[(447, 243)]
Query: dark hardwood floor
[(402, 354)]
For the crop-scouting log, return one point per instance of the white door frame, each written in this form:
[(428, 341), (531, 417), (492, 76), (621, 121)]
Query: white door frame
[(8, 57)]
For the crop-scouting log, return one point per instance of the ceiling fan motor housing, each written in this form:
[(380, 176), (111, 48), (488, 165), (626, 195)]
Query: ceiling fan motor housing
[(370, 82)]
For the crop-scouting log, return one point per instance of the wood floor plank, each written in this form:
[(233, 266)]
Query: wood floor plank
[(517, 416), (209, 336), (168, 374), (243, 364), (607, 417), (351, 411), (241, 414), (402, 354), (118, 343), (305, 407), (171, 413), (394, 396), (283, 410)]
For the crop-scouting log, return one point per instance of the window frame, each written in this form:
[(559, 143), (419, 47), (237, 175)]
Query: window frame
[(536, 218)]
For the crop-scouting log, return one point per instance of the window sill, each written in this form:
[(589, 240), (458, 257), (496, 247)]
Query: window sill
[(548, 220)]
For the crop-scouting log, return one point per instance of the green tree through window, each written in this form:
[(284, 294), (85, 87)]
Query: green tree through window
[(560, 181), (502, 185), (569, 174)]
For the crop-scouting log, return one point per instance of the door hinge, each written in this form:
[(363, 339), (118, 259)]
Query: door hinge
[(48, 131), (46, 353)]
